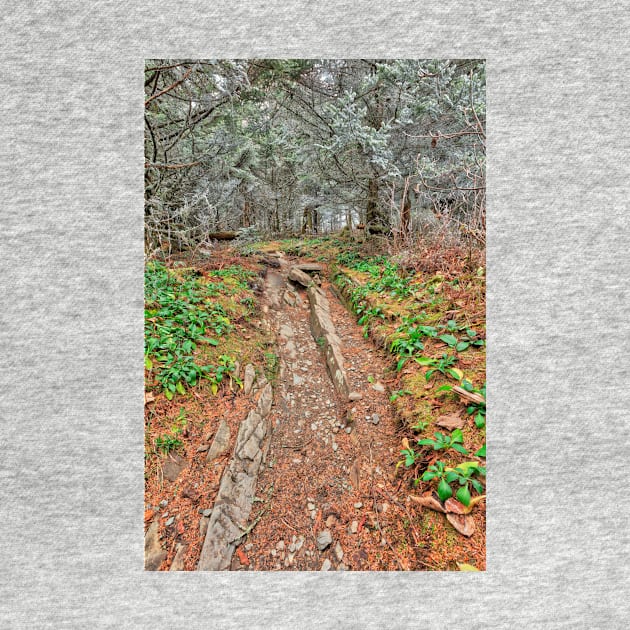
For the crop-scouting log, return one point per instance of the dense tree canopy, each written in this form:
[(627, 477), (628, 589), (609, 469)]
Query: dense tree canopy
[(289, 146)]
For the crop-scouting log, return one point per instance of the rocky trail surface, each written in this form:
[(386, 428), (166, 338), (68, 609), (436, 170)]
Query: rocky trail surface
[(324, 498), (298, 473)]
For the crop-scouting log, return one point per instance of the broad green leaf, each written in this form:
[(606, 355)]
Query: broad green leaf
[(463, 495), (215, 388), (424, 360), (481, 452), (460, 449), (429, 331), (444, 490), (180, 387), (464, 466), (480, 420), (461, 346), (450, 340), (148, 364), (457, 373), (169, 394)]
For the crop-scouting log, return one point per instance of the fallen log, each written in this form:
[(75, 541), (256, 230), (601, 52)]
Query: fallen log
[(222, 236)]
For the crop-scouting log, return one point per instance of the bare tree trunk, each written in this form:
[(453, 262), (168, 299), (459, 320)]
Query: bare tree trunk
[(405, 213), (377, 222), (246, 219)]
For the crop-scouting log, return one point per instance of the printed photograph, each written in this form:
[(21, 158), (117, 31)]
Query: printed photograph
[(315, 314)]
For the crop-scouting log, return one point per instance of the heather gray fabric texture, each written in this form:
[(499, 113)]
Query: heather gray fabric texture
[(71, 468)]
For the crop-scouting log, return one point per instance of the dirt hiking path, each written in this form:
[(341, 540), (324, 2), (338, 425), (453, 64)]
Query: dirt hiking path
[(326, 489)]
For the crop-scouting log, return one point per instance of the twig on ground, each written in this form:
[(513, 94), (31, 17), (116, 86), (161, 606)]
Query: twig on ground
[(249, 528)]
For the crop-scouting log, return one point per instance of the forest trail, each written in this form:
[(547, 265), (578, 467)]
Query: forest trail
[(325, 491), (256, 454), (304, 447)]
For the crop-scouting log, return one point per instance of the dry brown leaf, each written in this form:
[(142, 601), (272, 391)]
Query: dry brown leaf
[(466, 567), (476, 500), (450, 421), (454, 506), (429, 502), (463, 523), (148, 515), (148, 397), (242, 556)]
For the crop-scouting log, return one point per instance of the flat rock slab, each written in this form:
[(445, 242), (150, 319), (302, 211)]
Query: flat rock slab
[(310, 267), (248, 380), (180, 556), (299, 276), (220, 443), (233, 504), (324, 332), (154, 555), (173, 466)]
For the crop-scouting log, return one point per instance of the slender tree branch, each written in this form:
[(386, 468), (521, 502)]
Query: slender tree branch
[(169, 88)]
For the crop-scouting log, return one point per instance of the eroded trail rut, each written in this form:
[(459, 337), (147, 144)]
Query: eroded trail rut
[(316, 491)]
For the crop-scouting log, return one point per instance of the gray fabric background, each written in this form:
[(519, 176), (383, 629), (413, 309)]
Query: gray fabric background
[(71, 468)]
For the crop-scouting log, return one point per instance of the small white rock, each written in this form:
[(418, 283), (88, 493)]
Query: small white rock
[(338, 552)]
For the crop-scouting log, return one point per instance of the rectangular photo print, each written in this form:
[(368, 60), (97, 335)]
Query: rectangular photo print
[(315, 321)]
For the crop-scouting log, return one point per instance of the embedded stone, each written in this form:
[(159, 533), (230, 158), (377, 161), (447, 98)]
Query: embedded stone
[(220, 443), (248, 380), (324, 539)]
